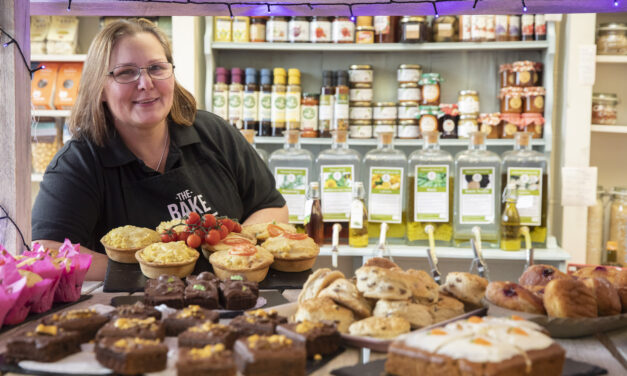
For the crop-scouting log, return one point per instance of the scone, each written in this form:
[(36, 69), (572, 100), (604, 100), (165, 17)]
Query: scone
[(262, 231), (423, 288), (325, 309), (292, 252), (381, 283), (569, 298), (418, 315), (344, 292), (380, 327), (246, 260), (381, 262), (513, 296), (446, 308), (540, 275), (608, 301), (317, 281), (467, 287)]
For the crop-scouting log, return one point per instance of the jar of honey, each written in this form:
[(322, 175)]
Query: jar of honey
[(511, 100), (524, 72), (533, 123), (506, 75), (510, 124), (534, 99)]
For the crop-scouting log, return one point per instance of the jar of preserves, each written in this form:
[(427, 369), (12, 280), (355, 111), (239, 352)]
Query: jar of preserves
[(360, 74), (490, 28), (363, 21), (465, 28), (408, 128), (343, 30), (408, 110), (384, 126), (538, 74), (510, 124), (360, 129), (445, 29), (408, 73), (506, 75), (618, 222), (604, 108), (527, 27), (479, 27), (511, 100), (447, 121), (241, 29), (532, 123), (513, 32), (489, 124), (298, 29), (320, 30), (360, 92), (466, 125), (428, 120), (523, 73), (360, 111), (612, 39), (309, 114), (385, 29), (276, 29), (257, 29), (540, 27), (385, 111), (364, 35), (408, 92), (468, 102), (500, 28), (222, 29), (533, 99), (413, 29), (430, 89)]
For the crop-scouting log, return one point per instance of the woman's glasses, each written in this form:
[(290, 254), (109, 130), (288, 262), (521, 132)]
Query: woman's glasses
[(126, 74)]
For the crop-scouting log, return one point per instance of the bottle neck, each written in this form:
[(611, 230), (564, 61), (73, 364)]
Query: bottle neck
[(337, 145), (519, 147), (477, 146), (289, 146), (385, 146), (314, 193), (430, 146)]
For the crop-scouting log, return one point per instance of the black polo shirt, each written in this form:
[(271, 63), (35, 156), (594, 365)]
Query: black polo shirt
[(88, 190)]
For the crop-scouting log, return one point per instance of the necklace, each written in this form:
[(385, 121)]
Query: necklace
[(165, 145)]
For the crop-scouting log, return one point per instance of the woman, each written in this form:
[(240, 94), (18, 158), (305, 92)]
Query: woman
[(142, 153)]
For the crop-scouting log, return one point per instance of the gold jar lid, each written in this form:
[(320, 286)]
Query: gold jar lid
[(361, 104), (410, 66), (408, 122), (365, 28), (408, 85), (385, 122), (469, 92), (361, 85), (468, 117), (360, 67), (384, 104), (406, 19), (409, 104), (360, 122)]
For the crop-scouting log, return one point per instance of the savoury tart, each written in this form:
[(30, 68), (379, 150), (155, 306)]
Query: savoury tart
[(292, 252), (173, 258), (262, 231), (121, 243), (233, 238), (251, 262)]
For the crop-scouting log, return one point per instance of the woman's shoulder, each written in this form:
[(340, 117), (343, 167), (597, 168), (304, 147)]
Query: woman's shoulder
[(215, 128), (75, 152)]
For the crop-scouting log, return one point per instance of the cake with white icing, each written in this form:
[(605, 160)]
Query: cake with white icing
[(478, 346)]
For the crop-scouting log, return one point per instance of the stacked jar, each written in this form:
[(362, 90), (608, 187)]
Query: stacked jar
[(468, 104), (360, 79), (522, 99), (408, 112), (364, 32), (447, 122), (489, 124)]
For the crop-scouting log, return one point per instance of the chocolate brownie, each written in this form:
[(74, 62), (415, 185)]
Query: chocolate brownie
[(236, 293), (131, 356), (166, 290), (257, 322), (208, 333), (319, 337), (188, 317), (47, 343), (203, 277), (138, 310), (85, 321), (274, 355), (212, 360), (132, 327), (202, 293)]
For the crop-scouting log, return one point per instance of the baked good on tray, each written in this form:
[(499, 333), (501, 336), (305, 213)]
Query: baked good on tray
[(202, 293), (382, 283), (320, 338), (418, 315), (47, 343), (236, 293), (446, 308), (85, 321), (262, 231), (138, 310), (617, 277), (325, 309), (423, 288), (274, 355), (242, 259), (174, 258), (317, 281), (380, 327), (569, 298), (202, 277), (225, 244), (513, 296), (292, 252), (214, 360), (476, 347), (123, 327), (187, 317), (381, 262), (131, 356), (208, 333), (121, 243), (540, 275), (608, 300), (257, 322), (344, 292), (467, 287), (166, 289)]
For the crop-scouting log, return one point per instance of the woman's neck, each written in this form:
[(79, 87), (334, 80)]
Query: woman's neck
[(150, 145)]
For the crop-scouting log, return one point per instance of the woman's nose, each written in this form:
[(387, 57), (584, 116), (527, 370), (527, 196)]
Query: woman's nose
[(144, 81)]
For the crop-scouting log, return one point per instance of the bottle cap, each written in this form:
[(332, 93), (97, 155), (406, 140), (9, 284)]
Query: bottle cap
[(431, 137), (293, 72), (340, 135), (236, 71), (251, 71), (386, 137), (279, 72), (222, 70), (266, 79), (266, 72), (522, 138), (292, 136), (611, 245), (236, 78), (477, 138), (222, 78)]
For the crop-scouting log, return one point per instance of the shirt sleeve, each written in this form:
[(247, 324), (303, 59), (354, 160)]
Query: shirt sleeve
[(68, 201)]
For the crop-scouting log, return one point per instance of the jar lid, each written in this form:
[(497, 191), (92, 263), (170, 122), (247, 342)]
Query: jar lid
[(505, 67), (360, 122), (385, 122), (468, 92), (525, 65), (535, 90), (364, 20), (408, 85), (408, 104), (409, 66), (429, 110), (361, 104), (311, 95), (605, 97), (365, 28), (299, 18), (431, 76), (258, 18), (408, 122), (406, 19), (449, 109), (511, 90), (277, 18), (468, 117), (360, 67), (384, 104), (361, 85), (342, 18), (320, 18), (511, 118), (613, 26)]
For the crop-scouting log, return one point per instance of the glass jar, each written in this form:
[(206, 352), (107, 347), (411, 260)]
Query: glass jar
[(489, 124), (384, 126), (445, 29), (298, 29), (532, 123), (222, 29), (43, 151), (594, 238), (276, 29), (511, 100), (257, 29), (385, 111), (408, 110), (413, 29), (604, 108), (527, 27), (447, 122), (360, 129), (385, 29), (523, 73), (360, 111), (479, 28), (408, 129), (490, 28), (428, 120), (430, 89), (241, 29), (467, 124), (343, 30), (540, 27), (408, 73), (468, 102), (538, 74), (360, 92), (533, 99), (618, 222), (408, 92), (612, 39), (360, 74), (465, 28), (513, 30), (500, 28), (320, 30), (363, 21), (364, 35), (309, 114), (510, 124), (506, 75)]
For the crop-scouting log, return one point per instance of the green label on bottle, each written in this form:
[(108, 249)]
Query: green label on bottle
[(235, 100), (279, 103), (292, 184), (477, 195), (266, 101), (218, 101), (337, 183), (528, 183), (431, 198), (386, 194)]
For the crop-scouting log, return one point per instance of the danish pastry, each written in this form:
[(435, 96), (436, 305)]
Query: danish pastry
[(608, 301), (540, 275), (569, 298), (513, 296)]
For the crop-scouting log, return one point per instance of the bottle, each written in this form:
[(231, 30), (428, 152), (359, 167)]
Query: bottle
[(265, 104), (430, 175), (384, 168), (309, 114), (236, 98), (249, 135), (292, 100), (338, 168), (327, 104), (278, 102), (251, 100), (292, 168), (221, 93), (527, 169), (477, 188), (510, 220), (358, 222), (611, 254), (341, 101), (313, 214)]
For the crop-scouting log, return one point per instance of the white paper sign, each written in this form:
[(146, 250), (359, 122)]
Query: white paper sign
[(579, 186), (587, 64)]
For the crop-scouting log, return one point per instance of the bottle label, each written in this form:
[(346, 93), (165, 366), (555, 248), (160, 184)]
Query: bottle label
[(431, 192), (219, 104), (309, 118), (357, 214), (477, 195), (385, 200), (265, 106), (326, 107), (251, 106), (341, 108), (292, 106), (292, 184), (278, 107), (528, 182), (236, 105), (308, 209), (382, 24), (337, 183)]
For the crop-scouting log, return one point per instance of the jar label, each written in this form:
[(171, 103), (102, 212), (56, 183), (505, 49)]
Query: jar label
[(465, 128), (240, 31), (258, 32), (408, 131), (309, 118), (448, 126), (299, 31), (360, 113), (515, 102), (528, 182), (251, 107), (409, 94), (337, 183), (408, 75), (431, 93), (236, 105), (407, 112), (428, 123), (444, 30), (384, 113), (364, 36), (383, 128), (431, 192), (360, 131), (276, 31), (292, 184), (412, 32), (385, 198), (265, 106), (360, 95), (514, 26), (343, 31), (382, 24), (357, 215), (326, 107), (538, 102), (477, 195), (278, 107), (292, 106), (468, 105), (510, 129), (360, 75), (219, 104), (223, 30), (500, 27), (320, 31)]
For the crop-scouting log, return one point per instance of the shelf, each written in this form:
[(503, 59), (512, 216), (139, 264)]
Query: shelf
[(51, 113), (36, 178), (397, 142), (383, 47), (609, 128), (612, 59), (58, 58)]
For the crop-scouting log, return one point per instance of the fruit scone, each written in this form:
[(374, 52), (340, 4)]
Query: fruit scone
[(317, 281), (292, 252), (251, 262)]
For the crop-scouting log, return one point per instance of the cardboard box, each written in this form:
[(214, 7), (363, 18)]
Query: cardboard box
[(68, 80), (42, 86)]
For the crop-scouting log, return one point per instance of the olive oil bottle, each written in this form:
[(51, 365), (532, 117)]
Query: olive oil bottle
[(358, 232), (510, 221)]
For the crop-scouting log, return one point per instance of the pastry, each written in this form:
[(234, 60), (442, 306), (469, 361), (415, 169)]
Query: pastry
[(569, 298), (418, 315), (131, 356), (189, 316), (608, 301), (236, 293), (513, 296), (85, 321), (467, 287), (325, 309), (166, 290), (540, 275), (121, 243), (344, 292), (424, 289), (380, 327), (130, 327), (381, 283), (292, 252), (317, 281), (214, 360), (274, 355), (174, 258), (261, 231), (257, 322), (208, 333), (319, 338), (621, 286), (381, 262), (446, 308), (244, 259), (598, 271), (47, 343)]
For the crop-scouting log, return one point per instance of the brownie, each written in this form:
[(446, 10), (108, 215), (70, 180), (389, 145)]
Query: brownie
[(319, 337), (257, 322), (47, 343), (202, 293), (237, 294), (208, 333), (274, 355), (132, 327), (166, 290), (188, 317), (203, 277), (131, 356), (211, 360), (85, 321), (138, 310)]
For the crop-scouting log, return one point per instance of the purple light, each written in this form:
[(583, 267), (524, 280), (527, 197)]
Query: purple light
[(5, 45), (524, 9), (43, 67), (353, 18), (615, 3)]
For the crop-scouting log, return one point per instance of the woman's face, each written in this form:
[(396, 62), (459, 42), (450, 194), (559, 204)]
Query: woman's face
[(144, 103)]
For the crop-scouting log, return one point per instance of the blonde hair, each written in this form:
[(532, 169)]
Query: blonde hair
[(90, 116)]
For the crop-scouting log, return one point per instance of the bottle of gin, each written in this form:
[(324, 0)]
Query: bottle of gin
[(477, 193), (293, 169), (430, 202), (384, 168), (358, 225), (338, 168), (527, 170), (249, 135)]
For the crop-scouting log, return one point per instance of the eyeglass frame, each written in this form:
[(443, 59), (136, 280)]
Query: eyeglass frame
[(140, 72)]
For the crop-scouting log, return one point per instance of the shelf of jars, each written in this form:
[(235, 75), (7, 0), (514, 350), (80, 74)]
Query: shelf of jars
[(609, 128), (51, 113), (397, 142), (612, 59)]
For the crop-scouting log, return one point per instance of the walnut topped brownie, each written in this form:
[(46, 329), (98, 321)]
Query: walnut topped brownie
[(237, 293), (214, 360), (319, 337), (208, 333), (131, 355), (274, 355), (138, 310), (258, 322), (85, 321), (188, 317), (47, 343), (148, 328), (166, 290)]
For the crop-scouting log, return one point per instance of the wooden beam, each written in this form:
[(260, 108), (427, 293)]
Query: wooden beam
[(15, 157)]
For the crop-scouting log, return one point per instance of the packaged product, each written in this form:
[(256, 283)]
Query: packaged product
[(62, 37), (66, 89), (39, 27), (42, 87)]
